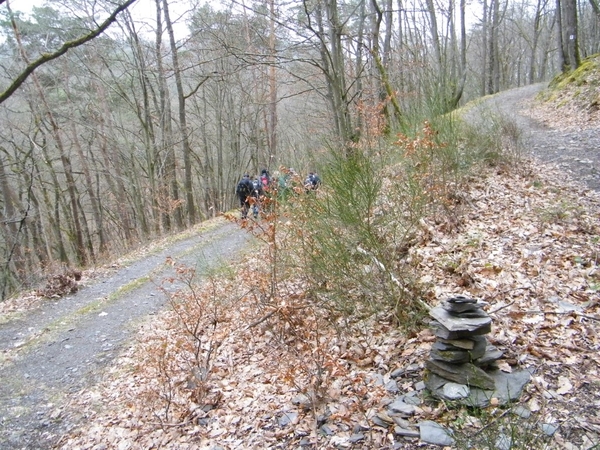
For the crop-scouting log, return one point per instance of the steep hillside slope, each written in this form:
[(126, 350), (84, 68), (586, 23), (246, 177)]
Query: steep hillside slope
[(277, 376)]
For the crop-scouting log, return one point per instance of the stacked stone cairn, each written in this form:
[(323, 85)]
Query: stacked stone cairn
[(461, 355)]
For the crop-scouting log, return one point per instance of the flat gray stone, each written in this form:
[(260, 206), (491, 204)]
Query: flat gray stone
[(461, 299), (401, 422), (461, 304), (406, 432), (522, 411), (465, 344), (548, 429), (464, 309), (433, 433), (453, 323), (326, 430), (448, 353), (287, 418), (442, 332), (381, 421), (450, 356), (399, 407), (503, 442), (397, 373), (455, 391), (508, 388), (491, 355), (392, 386), (356, 438), (435, 383), (461, 373), (412, 398)]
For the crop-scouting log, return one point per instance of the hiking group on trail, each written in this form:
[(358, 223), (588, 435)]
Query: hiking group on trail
[(252, 191)]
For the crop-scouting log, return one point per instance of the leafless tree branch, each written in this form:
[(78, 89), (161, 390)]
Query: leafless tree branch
[(46, 57)]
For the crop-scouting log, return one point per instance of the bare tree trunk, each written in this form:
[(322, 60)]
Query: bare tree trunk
[(337, 75), (536, 36), (435, 39), (187, 164), (494, 53), (12, 225), (146, 119), (562, 51), (332, 65), (54, 218), (65, 160), (272, 128), (112, 160), (386, 90), (359, 65), (570, 34), (168, 170), (463, 58), (89, 186), (484, 59)]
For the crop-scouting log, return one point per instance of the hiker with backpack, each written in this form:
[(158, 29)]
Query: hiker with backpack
[(312, 182), (265, 180), (244, 192), (257, 193)]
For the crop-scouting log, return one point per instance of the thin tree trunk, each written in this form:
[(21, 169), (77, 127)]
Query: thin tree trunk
[(272, 130), (170, 193), (185, 139), (536, 36), (12, 220), (463, 57), (484, 59), (89, 186), (145, 117), (562, 51)]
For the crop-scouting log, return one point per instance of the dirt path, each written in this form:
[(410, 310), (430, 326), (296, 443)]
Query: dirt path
[(575, 149), (50, 353)]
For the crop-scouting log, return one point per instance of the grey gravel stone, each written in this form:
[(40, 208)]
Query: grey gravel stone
[(455, 391), (548, 429), (406, 432), (356, 438), (522, 411), (433, 433), (401, 408), (503, 442), (287, 418)]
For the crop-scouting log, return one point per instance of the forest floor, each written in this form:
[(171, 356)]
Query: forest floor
[(79, 372)]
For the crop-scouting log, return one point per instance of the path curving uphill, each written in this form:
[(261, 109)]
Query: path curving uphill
[(574, 149), (49, 354)]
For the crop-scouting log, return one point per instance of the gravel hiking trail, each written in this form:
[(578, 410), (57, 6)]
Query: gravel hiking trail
[(50, 353), (574, 150)]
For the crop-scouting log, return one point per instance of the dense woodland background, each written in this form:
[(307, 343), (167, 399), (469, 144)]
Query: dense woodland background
[(117, 129)]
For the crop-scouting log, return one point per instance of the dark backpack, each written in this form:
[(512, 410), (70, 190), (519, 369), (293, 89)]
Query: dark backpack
[(244, 188)]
